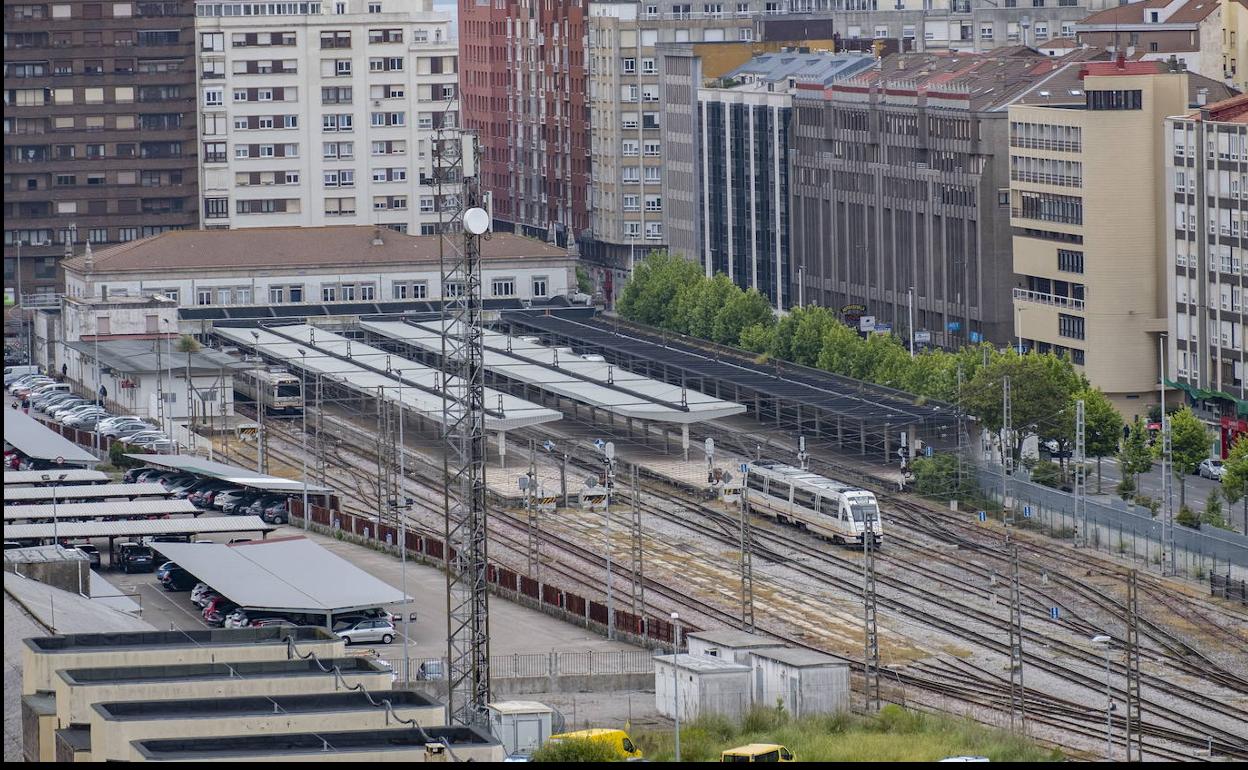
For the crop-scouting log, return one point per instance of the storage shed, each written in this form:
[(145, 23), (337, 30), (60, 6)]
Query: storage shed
[(729, 644), (804, 681), (706, 686)]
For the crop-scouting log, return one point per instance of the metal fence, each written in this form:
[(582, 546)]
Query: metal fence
[(1224, 587), (536, 665), (1118, 527)]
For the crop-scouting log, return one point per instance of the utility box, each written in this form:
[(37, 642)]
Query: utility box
[(694, 685), (729, 644), (804, 681), (522, 726)]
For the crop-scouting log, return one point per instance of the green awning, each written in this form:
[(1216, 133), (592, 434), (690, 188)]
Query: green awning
[(1200, 394)]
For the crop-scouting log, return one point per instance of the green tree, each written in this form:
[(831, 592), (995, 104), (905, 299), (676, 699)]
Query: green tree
[(938, 477), (742, 311), (1212, 514), (649, 295), (1189, 444), (576, 750), (759, 338), (1134, 456), (697, 303), (1235, 480), (800, 334), (584, 283), (1102, 430), (1037, 384)]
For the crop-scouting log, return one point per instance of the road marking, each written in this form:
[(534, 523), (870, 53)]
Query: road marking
[(166, 595)]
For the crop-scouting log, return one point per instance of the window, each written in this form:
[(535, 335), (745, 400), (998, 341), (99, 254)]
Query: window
[(453, 289), (1115, 100), (631, 202), (504, 287), (216, 208), (539, 286), (329, 294), (337, 122), (277, 295), (632, 229), (1069, 261), (368, 292), (212, 41), (654, 231), (985, 32), (654, 203), (214, 97), (374, 7), (653, 149), (654, 174), (203, 297), (630, 66), (336, 95), (98, 235), (630, 148), (1070, 326)]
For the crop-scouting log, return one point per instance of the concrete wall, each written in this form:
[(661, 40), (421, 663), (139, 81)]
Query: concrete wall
[(74, 701), (475, 753), (39, 668), (110, 738), (73, 574)]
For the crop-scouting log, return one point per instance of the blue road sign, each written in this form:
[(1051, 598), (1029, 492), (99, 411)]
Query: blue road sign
[(599, 443), (976, 337), (1026, 511), (1054, 613), (745, 467), (927, 451), (983, 516)]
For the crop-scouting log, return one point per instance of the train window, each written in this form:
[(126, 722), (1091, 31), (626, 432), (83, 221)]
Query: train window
[(290, 389), (872, 512), (804, 498)]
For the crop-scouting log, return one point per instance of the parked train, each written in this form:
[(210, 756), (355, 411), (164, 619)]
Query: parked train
[(277, 390), (830, 509)]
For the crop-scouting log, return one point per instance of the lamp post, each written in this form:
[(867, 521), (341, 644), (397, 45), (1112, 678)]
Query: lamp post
[(303, 451), (676, 676), (56, 538), (403, 538), (1102, 640), (255, 336)]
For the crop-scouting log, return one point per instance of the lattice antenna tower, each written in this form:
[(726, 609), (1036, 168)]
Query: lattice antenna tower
[(456, 156), (1018, 693), (1135, 746), (871, 657), (638, 566), (747, 557)]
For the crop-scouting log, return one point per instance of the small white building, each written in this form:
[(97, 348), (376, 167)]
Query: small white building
[(803, 681), (522, 726), (729, 644), (252, 271), (705, 685)]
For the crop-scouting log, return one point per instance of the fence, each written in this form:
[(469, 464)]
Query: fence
[(536, 665), (1118, 527), (1224, 587), (641, 629)]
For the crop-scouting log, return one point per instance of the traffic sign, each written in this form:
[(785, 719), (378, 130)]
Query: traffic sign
[(922, 336), (1026, 511), (599, 443), (60, 460), (1054, 613), (745, 468), (983, 516), (927, 451), (549, 446)]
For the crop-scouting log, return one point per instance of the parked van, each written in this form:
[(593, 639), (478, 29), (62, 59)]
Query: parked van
[(618, 739), (758, 752)]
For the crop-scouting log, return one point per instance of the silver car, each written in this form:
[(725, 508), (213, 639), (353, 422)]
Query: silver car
[(373, 630)]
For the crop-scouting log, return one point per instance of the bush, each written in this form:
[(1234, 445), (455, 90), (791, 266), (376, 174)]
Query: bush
[(1047, 474), (1126, 488), (117, 455), (936, 477), (576, 750), (1152, 505), (1213, 510), (1188, 518)]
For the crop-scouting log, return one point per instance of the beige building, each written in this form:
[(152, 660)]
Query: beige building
[(1207, 212), (1235, 43), (1087, 155), (1157, 30)]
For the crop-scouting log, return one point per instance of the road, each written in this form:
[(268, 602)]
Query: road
[(1198, 489)]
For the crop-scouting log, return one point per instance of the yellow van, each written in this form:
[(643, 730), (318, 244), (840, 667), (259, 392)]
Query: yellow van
[(758, 752), (619, 739)]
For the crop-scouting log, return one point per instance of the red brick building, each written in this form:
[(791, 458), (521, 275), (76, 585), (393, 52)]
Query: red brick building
[(523, 84)]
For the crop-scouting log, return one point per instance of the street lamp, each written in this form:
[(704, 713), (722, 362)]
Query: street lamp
[(255, 336), (1101, 640), (676, 676), (303, 392), (56, 539), (403, 536)]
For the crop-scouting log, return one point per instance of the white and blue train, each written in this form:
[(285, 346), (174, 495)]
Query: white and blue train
[(830, 509)]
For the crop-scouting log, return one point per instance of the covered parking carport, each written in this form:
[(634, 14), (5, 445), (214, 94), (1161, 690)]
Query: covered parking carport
[(232, 474), (86, 530), (42, 445), (44, 478), (284, 576), (100, 511), (83, 492)]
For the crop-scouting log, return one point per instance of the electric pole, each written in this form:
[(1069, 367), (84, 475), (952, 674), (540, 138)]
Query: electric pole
[(531, 502), (1081, 502), (1018, 695), (871, 657), (639, 585), (747, 556), (1134, 717), (1007, 453)]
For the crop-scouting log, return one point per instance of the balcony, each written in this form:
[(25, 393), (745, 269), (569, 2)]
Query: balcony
[(1053, 300)]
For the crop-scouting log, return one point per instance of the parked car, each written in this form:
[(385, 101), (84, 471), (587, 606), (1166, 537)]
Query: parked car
[(165, 569), (217, 610), (117, 430), (266, 622), (368, 631), (178, 485), (179, 580), (91, 551), (185, 492), (134, 557), (236, 619), (260, 504), (239, 506), (205, 598), (85, 421), (206, 498), (277, 513), (1211, 469), (198, 590), (230, 496)]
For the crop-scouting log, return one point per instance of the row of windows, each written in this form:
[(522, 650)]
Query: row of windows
[(95, 235), (348, 292)]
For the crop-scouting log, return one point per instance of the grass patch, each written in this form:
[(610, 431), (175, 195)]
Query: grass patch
[(893, 735)]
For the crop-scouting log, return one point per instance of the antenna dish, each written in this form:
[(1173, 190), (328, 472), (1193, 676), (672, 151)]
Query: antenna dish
[(476, 221)]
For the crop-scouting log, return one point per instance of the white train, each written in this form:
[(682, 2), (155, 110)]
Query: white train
[(830, 509), (277, 390)]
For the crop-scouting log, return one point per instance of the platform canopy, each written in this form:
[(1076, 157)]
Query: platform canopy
[(72, 476), (82, 492), (39, 442), (79, 530), (288, 574), (371, 371), (231, 474), (587, 379), (99, 510)]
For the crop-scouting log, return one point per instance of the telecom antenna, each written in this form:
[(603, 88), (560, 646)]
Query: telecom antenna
[(455, 162)]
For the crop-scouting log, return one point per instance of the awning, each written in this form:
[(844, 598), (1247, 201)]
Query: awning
[(99, 510), (82, 492), (228, 473), (77, 530)]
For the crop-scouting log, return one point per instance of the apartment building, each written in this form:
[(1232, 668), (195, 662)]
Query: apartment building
[(1156, 30), (899, 184), (524, 94), (1235, 43), (1206, 204), (1088, 207), (727, 144), (99, 129), (322, 113)]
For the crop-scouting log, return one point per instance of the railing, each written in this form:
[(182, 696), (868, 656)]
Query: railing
[(1056, 300), (1041, 216), (36, 301), (1061, 180), (1046, 144)]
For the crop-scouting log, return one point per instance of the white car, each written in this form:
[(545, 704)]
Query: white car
[(1212, 469), (237, 619), (372, 630)]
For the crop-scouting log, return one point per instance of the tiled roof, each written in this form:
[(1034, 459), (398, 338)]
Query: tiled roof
[(1195, 11), (296, 247)]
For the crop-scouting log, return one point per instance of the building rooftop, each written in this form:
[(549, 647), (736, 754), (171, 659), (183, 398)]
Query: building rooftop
[(95, 510), (74, 530), (140, 640), (1191, 12), (82, 492), (702, 664), (797, 656), (188, 672), (140, 356), (260, 705), (295, 247), (37, 441), (1065, 85), (35, 478), (819, 67), (310, 743), (225, 472), (1232, 110), (731, 637)]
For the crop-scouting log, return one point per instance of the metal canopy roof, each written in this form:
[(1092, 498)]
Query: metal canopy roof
[(99, 509), (72, 475), (854, 399), (229, 473), (290, 573), (83, 492), (138, 528), (363, 368), (588, 380), (36, 440)]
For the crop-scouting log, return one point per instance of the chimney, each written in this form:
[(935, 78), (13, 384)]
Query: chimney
[(1121, 61), (1202, 96), (89, 258), (377, 241)]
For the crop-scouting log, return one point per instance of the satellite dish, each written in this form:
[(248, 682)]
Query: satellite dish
[(609, 450), (476, 221), (524, 482), (591, 482)]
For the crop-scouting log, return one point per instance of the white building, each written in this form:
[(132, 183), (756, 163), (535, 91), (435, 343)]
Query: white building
[(316, 113), (280, 266), (805, 682), (700, 685), (729, 644)]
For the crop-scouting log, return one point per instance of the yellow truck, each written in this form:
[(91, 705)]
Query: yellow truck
[(618, 739), (758, 752)]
